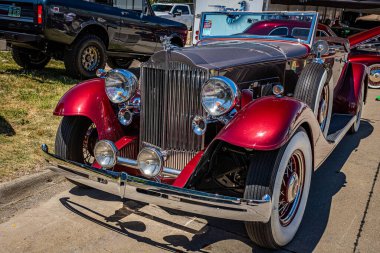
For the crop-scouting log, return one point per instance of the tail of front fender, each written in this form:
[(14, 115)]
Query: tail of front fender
[(89, 99), (268, 123)]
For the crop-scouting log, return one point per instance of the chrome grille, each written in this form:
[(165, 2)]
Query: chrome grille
[(170, 100)]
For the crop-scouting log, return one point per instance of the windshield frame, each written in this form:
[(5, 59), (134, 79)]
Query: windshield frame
[(309, 41)]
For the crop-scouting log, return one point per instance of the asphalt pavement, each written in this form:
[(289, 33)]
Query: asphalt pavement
[(342, 213)]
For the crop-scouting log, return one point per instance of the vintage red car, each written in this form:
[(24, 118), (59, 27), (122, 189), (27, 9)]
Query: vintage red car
[(232, 128)]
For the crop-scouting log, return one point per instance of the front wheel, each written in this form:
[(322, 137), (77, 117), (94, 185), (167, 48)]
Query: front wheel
[(85, 56), (284, 174), (75, 140), (30, 59), (119, 63)]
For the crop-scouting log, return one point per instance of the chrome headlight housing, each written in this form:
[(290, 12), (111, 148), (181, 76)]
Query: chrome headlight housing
[(219, 95), (121, 85), (105, 154)]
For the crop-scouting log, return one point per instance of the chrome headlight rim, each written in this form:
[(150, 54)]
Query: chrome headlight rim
[(158, 155), (235, 94), (113, 149), (130, 85)]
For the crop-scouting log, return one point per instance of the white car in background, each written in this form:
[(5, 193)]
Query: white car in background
[(178, 12)]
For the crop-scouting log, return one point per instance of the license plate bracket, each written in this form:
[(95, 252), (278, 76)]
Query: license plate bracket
[(14, 11)]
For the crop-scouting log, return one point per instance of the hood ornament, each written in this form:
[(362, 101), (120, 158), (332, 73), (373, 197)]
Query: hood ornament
[(166, 42)]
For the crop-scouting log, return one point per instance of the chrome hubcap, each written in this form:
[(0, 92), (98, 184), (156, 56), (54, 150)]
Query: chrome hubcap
[(291, 188), (323, 107), (90, 58)]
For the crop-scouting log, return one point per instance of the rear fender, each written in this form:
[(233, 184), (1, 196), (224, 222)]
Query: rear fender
[(268, 123), (89, 99)]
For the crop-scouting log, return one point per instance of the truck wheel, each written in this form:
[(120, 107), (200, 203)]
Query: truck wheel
[(75, 140), (30, 59), (85, 56), (119, 63), (355, 127), (284, 174), (314, 89)]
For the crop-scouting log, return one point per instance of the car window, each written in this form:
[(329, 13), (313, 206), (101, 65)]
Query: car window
[(182, 9), (162, 7), (136, 5), (300, 33), (279, 31)]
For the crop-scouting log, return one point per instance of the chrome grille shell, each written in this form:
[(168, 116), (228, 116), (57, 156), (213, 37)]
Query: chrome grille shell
[(170, 99)]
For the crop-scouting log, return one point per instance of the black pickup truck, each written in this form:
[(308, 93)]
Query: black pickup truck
[(86, 34)]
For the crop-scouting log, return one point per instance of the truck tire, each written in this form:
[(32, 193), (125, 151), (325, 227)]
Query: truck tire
[(119, 63), (75, 140), (30, 59), (85, 56), (314, 89), (285, 175)]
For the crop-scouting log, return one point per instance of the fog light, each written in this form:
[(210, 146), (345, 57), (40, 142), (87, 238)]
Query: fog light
[(105, 154), (125, 117), (199, 125), (150, 162)]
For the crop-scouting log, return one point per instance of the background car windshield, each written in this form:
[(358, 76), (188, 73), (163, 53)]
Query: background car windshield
[(296, 27), (161, 7)]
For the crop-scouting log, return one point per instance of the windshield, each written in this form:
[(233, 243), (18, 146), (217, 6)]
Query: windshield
[(280, 25), (161, 7)]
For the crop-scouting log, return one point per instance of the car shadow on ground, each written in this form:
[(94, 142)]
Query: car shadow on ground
[(6, 128), (315, 220), (48, 75)]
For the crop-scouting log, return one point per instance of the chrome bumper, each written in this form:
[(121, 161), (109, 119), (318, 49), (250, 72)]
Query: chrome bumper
[(135, 188)]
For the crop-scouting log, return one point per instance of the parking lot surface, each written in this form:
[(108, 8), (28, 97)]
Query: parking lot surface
[(342, 213)]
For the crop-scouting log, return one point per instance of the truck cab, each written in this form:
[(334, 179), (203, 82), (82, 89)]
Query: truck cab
[(178, 12)]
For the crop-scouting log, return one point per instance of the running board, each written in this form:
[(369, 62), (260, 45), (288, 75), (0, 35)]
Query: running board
[(337, 134)]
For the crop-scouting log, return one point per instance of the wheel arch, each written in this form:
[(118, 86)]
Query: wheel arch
[(177, 40), (94, 29), (88, 99)]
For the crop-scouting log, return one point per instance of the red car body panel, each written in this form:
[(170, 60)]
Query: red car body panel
[(267, 123), (88, 99), (348, 92), (363, 37), (267, 26)]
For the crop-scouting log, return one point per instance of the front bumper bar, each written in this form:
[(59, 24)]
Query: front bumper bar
[(139, 189)]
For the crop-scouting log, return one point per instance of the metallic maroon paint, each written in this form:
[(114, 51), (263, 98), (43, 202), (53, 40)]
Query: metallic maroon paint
[(89, 99), (266, 123), (182, 179), (364, 37), (347, 92), (367, 59)]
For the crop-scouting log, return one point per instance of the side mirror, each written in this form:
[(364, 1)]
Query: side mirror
[(175, 14)]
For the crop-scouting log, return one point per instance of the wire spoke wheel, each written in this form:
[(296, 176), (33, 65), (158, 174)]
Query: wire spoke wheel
[(323, 107), (291, 188), (90, 139)]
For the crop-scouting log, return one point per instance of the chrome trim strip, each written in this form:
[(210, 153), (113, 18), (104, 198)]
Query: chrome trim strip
[(126, 186)]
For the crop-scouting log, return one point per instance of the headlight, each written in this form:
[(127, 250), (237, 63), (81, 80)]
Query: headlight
[(105, 154), (120, 85), (219, 95), (150, 162)]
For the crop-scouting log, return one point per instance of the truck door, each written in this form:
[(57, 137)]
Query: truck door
[(135, 35)]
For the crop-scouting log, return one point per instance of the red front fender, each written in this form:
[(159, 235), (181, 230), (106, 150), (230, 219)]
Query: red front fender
[(89, 99), (268, 123)]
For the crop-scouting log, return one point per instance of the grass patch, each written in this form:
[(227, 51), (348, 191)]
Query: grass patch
[(27, 100)]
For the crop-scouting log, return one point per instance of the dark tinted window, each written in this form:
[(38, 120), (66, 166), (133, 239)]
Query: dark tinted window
[(182, 9), (280, 31), (162, 7)]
